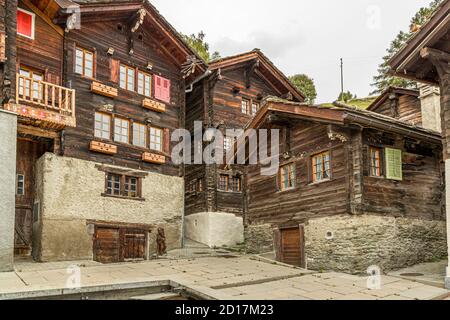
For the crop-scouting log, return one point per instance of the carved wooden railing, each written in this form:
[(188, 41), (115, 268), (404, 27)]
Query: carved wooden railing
[(54, 103)]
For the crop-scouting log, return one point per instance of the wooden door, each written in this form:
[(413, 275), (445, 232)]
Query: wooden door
[(107, 245), (292, 246), (134, 245), (28, 152)]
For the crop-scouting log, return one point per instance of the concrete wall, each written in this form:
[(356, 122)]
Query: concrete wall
[(8, 141), (353, 243), (69, 192), (215, 229), (430, 101)]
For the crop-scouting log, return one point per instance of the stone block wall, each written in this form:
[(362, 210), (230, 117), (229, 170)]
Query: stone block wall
[(259, 238), (69, 193)]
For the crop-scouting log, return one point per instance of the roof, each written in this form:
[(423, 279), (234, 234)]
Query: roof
[(432, 34), (340, 114), (267, 67), (392, 90)]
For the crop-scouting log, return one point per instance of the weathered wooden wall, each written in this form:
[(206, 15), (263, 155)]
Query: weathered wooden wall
[(408, 108)]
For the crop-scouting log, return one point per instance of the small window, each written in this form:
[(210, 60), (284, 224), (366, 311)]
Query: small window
[(287, 176), (155, 139), (228, 143), (223, 182), (375, 162), (245, 106), (30, 83), (123, 186), (144, 84), (321, 168), (235, 184), (139, 135), (255, 108), (102, 126), (127, 78), (20, 188), (84, 63), (121, 130), (25, 23)]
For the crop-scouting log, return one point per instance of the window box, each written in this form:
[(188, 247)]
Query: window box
[(104, 90), (153, 158), (102, 147), (154, 105)]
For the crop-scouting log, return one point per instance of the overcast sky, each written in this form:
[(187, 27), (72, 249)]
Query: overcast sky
[(301, 36)]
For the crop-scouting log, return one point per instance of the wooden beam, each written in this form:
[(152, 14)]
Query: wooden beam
[(249, 72), (440, 60), (40, 14)]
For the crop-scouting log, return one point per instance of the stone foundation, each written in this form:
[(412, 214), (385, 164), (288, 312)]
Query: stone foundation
[(215, 229), (259, 238), (8, 140), (70, 194)]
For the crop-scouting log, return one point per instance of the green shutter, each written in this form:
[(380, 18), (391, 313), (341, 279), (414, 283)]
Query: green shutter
[(394, 164)]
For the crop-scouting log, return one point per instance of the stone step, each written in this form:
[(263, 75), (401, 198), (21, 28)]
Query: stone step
[(158, 296)]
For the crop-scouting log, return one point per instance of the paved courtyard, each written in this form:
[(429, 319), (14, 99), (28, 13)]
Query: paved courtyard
[(238, 278)]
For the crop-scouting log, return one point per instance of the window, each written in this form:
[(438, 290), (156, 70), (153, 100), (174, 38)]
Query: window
[(229, 184), (144, 84), (321, 169), (121, 130), (155, 139), (245, 106), (286, 179), (84, 63), (394, 164), (255, 108), (20, 188), (30, 87), (375, 162), (162, 89), (102, 126), (25, 23), (139, 135), (122, 186), (227, 143), (127, 77)]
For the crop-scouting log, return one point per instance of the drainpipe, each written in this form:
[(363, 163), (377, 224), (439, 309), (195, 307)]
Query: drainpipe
[(190, 87)]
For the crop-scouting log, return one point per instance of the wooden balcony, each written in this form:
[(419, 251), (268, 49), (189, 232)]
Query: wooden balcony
[(44, 104)]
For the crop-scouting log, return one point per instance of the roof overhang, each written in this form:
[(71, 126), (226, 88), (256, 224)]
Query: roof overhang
[(409, 63), (390, 91)]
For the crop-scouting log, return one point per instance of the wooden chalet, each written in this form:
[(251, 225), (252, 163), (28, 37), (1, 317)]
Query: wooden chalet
[(227, 97), (97, 87), (354, 189), (426, 59)]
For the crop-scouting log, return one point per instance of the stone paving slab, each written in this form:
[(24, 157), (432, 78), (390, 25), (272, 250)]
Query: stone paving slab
[(240, 278)]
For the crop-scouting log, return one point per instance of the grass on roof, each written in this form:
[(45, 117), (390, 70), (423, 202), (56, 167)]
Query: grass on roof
[(362, 103)]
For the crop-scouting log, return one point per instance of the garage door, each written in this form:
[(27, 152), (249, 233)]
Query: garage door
[(292, 246)]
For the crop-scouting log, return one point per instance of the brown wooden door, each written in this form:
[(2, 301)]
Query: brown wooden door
[(292, 246), (134, 245), (107, 245), (28, 152)]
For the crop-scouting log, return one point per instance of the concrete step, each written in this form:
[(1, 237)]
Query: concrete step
[(158, 296)]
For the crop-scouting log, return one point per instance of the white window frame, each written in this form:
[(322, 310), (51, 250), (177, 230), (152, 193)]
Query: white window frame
[(33, 24), (153, 143)]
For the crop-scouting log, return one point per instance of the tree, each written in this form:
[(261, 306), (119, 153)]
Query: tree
[(306, 86), (198, 44), (346, 96), (383, 80)]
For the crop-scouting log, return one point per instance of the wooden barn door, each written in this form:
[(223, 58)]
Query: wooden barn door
[(291, 246), (107, 245), (134, 243), (28, 152)]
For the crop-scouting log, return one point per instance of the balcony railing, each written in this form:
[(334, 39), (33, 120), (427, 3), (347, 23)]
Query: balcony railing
[(45, 101)]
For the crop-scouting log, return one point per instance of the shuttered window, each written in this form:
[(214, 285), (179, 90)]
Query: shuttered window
[(375, 162), (162, 89), (84, 63), (394, 164), (144, 84), (25, 23)]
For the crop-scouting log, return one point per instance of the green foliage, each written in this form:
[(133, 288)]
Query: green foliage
[(306, 86), (198, 44), (346, 96), (383, 80)]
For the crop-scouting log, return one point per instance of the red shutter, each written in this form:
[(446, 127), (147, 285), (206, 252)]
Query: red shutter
[(114, 66), (166, 90), (162, 89), (166, 141), (24, 24)]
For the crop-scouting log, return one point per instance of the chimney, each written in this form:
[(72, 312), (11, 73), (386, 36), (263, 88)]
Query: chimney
[(430, 102)]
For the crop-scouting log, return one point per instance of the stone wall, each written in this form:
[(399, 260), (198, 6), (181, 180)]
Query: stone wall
[(354, 243), (69, 193), (8, 135), (259, 238)]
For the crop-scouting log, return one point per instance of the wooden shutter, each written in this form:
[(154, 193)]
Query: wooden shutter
[(2, 47), (166, 90), (114, 66), (162, 89), (158, 87), (24, 23), (394, 164), (166, 141), (52, 78)]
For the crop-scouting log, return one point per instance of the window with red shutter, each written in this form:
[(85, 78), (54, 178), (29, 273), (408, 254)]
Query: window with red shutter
[(162, 89), (25, 23)]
